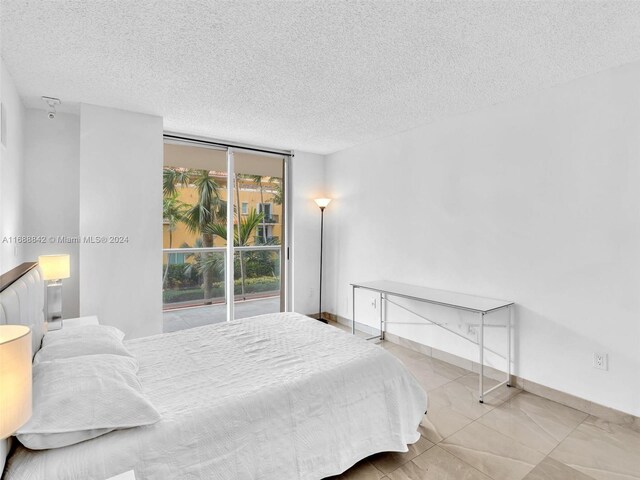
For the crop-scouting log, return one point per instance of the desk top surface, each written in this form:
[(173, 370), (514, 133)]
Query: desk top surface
[(439, 297)]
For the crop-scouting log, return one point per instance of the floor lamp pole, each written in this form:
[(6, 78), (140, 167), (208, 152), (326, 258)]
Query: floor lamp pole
[(322, 203), (321, 245)]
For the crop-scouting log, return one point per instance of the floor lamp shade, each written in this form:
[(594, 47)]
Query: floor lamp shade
[(55, 267), (15, 378), (322, 202)]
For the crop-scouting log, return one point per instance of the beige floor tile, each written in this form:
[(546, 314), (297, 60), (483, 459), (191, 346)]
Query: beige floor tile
[(447, 369), (437, 464), (428, 379), (389, 461), (362, 470), (602, 450), (492, 453), (452, 359), (410, 344), (403, 353), (550, 469), (451, 408), (458, 397), (422, 369), (420, 361), (438, 366), (440, 423), (534, 421), (495, 398)]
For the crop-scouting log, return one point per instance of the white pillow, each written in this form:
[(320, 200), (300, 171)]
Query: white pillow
[(77, 341), (80, 398)]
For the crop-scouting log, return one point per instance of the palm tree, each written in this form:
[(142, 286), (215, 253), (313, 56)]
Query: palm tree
[(172, 177), (241, 236), (278, 196), (258, 180), (204, 262), (173, 211), (208, 210)]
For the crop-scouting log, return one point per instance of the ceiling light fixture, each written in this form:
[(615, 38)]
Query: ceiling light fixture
[(52, 102)]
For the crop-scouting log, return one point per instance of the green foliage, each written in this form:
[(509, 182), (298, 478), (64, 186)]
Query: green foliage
[(252, 285), (173, 211), (261, 264), (211, 264), (201, 276), (179, 278), (247, 226), (278, 197), (172, 177)]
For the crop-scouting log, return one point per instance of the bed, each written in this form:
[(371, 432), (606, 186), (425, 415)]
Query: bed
[(278, 396)]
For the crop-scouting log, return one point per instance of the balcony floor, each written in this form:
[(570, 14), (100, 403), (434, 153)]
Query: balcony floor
[(181, 319)]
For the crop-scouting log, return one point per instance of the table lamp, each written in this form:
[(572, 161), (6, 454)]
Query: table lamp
[(15, 378), (15, 383), (54, 268)]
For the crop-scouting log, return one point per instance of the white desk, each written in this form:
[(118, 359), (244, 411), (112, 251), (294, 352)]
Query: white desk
[(481, 306)]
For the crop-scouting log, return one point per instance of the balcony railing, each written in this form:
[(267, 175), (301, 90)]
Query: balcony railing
[(195, 276)]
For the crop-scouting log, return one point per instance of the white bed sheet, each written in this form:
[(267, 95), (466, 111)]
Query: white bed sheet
[(277, 396)]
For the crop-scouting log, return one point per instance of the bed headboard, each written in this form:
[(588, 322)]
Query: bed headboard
[(22, 300)]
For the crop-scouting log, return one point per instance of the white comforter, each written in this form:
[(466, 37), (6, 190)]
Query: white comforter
[(278, 396)]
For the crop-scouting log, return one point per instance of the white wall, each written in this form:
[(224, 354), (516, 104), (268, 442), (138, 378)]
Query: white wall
[(536, 200), (121, 195), (52, 163), (11, 174), (307, 183)]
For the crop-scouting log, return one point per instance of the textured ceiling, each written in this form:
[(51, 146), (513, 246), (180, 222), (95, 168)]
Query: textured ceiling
[(315, 76)]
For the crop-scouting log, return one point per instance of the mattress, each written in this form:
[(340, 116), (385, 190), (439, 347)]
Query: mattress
[(278, 396)]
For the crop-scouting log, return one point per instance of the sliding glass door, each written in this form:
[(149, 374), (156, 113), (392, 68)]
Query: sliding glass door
[(213, 214), (259, 228)]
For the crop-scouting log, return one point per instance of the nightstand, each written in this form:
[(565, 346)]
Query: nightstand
[(80, 321)]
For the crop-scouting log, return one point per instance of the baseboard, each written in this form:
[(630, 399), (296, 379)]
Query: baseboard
[(605, 413)]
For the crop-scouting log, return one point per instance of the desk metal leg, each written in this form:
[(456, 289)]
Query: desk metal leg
[(353, 310), (509, 310), (383, 306), (380, 307), (481, 346)]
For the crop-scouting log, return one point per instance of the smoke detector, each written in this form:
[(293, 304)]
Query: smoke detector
[(51, 102)]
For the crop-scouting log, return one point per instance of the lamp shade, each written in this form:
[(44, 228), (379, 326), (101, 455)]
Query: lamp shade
[(322, 202), (15, 378), (55, 267)]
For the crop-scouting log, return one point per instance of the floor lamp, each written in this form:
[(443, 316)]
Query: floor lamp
[(322, 203)]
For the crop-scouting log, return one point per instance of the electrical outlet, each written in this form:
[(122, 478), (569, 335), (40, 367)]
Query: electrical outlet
[(600, 361)]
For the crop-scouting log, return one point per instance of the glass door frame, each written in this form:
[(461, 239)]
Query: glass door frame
[(230, 249)]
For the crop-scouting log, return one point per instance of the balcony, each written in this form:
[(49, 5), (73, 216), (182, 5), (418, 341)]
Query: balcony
[(193, 288)]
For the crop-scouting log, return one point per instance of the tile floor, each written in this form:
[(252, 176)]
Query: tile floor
[(514, 435)]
